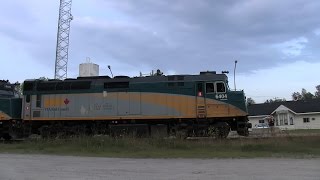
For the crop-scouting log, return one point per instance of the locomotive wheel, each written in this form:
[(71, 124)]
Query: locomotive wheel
[(223, 132), (219, 130), (9, 136), (6, 137), (181, 134), (44, 132), (244, 132)]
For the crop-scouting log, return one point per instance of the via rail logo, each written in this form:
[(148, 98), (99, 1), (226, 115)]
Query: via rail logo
[(56, 102)]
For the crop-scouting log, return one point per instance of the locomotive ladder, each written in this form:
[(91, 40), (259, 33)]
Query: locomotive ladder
[(201, 111)]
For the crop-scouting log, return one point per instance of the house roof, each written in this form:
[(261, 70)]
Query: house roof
[(302, 106)]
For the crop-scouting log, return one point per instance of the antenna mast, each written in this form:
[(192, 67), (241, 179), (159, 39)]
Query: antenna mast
[(65, 18)]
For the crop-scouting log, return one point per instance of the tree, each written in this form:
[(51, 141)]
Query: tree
[(296, 96), (308, 96), (274, 100), (305, 95), (317, 93), (18, 89), (250, 101)]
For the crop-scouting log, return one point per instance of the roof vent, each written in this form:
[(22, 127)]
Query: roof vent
[(121, 77), (207, 72)]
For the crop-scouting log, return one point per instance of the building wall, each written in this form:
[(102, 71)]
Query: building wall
[(297, 122), (254, 120), (284, 119), (314, 121)]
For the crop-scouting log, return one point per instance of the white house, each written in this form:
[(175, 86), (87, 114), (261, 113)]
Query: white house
[(286, 115)]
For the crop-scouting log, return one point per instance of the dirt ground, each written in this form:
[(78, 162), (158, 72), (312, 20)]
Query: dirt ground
[(43, 167)]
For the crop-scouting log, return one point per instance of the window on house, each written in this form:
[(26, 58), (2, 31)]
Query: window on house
[(306, 120), (283, 119), (286, 120), (291, 120), (261, 121), (281, 122), (313, 119), (221, 88), (209, 88)]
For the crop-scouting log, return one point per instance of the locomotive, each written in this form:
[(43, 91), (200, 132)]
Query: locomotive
[(187, 105), (10, 107)]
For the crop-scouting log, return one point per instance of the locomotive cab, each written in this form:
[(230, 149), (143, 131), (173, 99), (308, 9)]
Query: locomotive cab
[(220, 105)]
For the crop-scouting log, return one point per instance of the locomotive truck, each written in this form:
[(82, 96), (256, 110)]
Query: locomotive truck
[(187, 105)]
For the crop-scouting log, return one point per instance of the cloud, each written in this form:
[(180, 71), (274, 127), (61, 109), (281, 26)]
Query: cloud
[(279, 81), (293, 47), (317, 32), (174, 36), (203, 34)]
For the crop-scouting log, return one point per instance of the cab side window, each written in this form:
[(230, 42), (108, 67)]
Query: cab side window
[(38, 102), (28, 99), (221, 88), (209, 88), (199, 89)]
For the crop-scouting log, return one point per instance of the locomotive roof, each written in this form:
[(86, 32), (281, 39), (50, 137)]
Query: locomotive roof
[(6, 85), (118, 82), (203, 76)]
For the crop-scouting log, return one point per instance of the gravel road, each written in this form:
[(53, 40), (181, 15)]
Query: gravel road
[(43, 167)]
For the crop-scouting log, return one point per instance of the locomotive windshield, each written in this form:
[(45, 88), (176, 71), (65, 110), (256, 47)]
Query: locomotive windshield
[(227, 85)]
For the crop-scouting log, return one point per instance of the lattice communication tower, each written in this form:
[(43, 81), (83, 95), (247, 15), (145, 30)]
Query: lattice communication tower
[(65, 18)]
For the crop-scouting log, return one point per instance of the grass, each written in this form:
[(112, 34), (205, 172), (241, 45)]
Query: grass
[(303, 131), (298, 147)]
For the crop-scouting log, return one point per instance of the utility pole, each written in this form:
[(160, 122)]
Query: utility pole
[(234, 74), (65, 18), (109, 67)]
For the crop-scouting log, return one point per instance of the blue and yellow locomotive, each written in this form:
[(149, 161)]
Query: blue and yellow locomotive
[(199, 105)]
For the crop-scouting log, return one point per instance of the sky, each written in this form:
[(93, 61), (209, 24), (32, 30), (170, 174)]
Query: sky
[(276, 43)]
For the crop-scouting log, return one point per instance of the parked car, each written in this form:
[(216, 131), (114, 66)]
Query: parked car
[(262, 125)]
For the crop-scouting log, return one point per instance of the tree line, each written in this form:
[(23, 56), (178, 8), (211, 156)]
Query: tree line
[(296, 96)]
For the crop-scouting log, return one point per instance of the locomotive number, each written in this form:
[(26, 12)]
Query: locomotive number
[(221, 96)]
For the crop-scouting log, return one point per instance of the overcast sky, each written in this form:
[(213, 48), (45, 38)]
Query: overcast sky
[(276, 43)]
